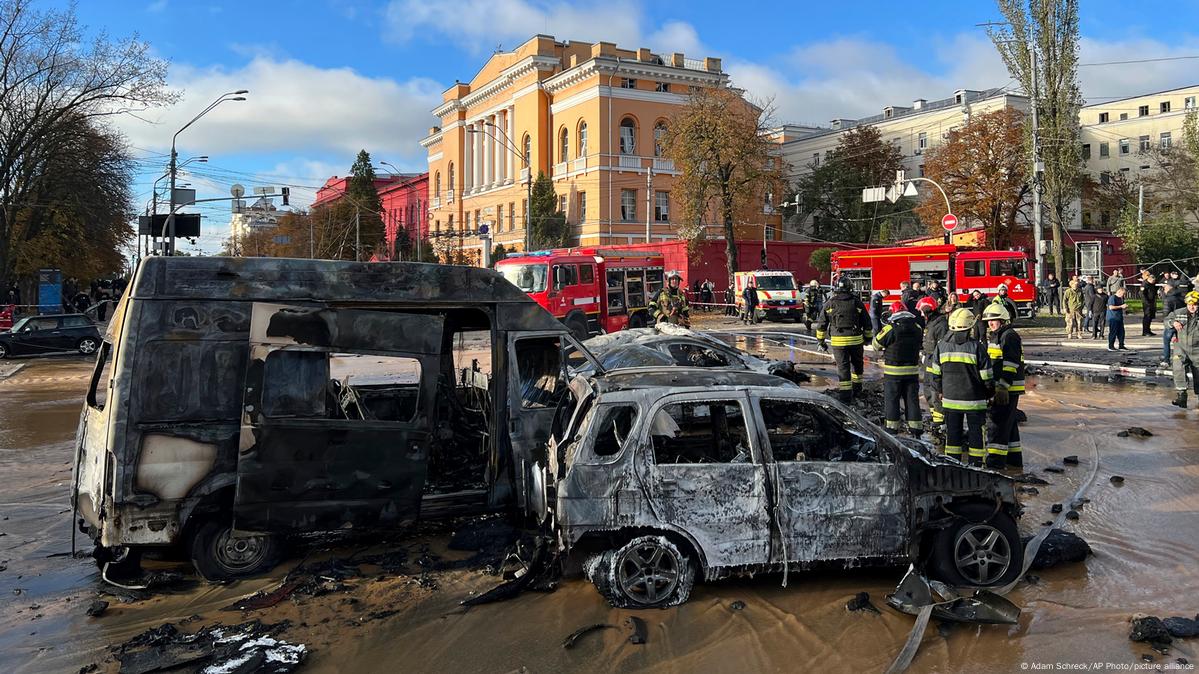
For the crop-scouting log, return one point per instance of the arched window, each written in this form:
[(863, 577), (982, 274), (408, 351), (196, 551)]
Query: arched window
[(659, 138), (582, 139), (451, 176), (628, 136), (528, 148), (437, 184), (563, 145)]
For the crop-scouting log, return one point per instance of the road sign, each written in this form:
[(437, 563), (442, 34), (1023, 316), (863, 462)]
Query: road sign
[(184, 196), (873, 194), (237, 190), (949, 222), (263, 191), (186, 224), (893, 194), (909, 190)]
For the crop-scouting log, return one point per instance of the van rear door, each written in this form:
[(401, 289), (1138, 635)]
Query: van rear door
[(337, 418)]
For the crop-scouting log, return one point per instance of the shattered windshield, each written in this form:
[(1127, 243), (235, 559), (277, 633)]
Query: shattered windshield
[(530, 278), (775, 282)]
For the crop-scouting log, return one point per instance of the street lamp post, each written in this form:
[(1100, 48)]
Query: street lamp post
[(526, 161), (230, 96), (154, 190)]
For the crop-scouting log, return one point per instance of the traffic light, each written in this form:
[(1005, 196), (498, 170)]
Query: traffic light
[(286, 194), (763, 257)]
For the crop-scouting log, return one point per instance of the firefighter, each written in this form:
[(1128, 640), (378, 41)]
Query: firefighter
[(813, 304), (962, 377), (1001, 298), (846, 324), (935, 328), (900, 341), (1006, 351), (1185, 355), (672, 304)]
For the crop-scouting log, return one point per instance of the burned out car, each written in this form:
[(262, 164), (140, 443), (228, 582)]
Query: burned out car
[(672, 474), (235, 402)]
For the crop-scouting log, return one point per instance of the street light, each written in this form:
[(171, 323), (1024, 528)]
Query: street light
[(506, 143), (154, 190), (230, 96)]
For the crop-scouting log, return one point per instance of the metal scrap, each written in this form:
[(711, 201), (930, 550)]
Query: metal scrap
[(569, 642)]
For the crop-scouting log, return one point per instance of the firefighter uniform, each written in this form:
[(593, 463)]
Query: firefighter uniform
[(900, 343), (1185, 355), (935, 331), (962, 375), (672, 307), (846, 324), (1006, 350)]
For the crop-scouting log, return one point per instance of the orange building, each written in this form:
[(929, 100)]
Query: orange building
[(590, 116)]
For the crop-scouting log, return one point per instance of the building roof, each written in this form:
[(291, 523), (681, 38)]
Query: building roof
[(1129, 98)]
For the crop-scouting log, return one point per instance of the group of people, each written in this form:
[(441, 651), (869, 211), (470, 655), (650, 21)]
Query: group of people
[(1090, 306), (967, 373)]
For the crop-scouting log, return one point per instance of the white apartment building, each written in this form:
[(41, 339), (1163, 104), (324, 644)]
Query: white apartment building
[(260, 215)]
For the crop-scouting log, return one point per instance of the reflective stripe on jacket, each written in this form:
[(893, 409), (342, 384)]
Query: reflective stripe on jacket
[(900, 343), (844, 321), (962, 373), (1006, 350)]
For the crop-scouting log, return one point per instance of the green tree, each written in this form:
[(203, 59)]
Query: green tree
[(821, 260), (1175, 176), (549, 224), (1159, 237), (498, 253), (831, 193), (1050, 29), (363, 197)]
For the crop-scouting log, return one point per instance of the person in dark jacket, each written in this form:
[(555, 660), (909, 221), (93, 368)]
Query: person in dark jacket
[(1089, 290), (963, 378), (900, 341), (936, 292), (846, 323), (813, 304), (750, 295), (1098, 312), (936, 326), (977, 303), (1051, 293), (1186, 352), (1148, 303), (876, 311), (1006, 350)]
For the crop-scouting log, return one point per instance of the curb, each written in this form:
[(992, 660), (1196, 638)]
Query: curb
[(9, 373)]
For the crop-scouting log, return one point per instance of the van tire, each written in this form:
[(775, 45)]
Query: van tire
[(614, 573), (216, 558), (121, 563), (577, 326), (973, 524)]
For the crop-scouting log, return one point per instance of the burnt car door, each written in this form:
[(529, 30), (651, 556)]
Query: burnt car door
[(336, 419), (704, 474), (842, 495)]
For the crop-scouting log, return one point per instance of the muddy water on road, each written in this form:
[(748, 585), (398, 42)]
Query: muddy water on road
[(1145, 535)]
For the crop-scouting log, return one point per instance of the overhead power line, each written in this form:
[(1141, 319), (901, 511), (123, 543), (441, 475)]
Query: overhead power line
[(1154, 60)]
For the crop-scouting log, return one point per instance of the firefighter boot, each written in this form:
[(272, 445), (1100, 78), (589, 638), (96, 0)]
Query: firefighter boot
[(1180, 399), (1015, 459), (996, 461), (857, 389)]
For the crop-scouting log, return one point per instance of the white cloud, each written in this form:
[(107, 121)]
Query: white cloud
[(677, 36), (1106, 82), (156, 6), (293, 107)]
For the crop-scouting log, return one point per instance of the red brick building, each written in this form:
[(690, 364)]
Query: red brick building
[(405, 201)]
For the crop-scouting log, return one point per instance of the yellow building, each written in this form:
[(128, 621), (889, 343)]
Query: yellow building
[(590, 116)]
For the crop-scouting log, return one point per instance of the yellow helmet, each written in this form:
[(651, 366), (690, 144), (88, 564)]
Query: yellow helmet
[(961, 319), (1193, 297), (996, 312)]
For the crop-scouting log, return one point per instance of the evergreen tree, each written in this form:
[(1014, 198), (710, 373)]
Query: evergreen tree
[(549, 224), (498, 253), (362, 201)]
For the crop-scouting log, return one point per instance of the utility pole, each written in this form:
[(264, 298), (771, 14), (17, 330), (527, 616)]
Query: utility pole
[(357, 234), (1038, 235), (1140, 204), (649, 195), (311, 243)]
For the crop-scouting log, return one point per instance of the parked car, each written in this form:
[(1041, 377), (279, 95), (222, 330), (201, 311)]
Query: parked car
[(674, 474), (36, 335)]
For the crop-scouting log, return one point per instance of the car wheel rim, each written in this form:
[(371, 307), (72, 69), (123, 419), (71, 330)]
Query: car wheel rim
[(87, 346), (238, 553), (982, 554), (648, 573)]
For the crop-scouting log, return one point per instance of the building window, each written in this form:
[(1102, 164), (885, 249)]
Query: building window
[(628, 205), (1188, 103), (662, 206), (628, 136), (563, 145), (524, 211), (1124, 146), (528, 146), (1086, 150), (478, 219), (628, 83), (449, 226), (662, 88), (582, 207), (1165, 140), (921, 142), (659, 139), (1105, 178), (1144, 143), (815, 160), (1103, 150), (511, 217), (1143, 111), (583, 139), (1164, 107), (562, 204), (1123, 115), (1103, 118), (1105, 219), (1124, 171), (921, 170), (451, 176), (437, 184), (499, 217)]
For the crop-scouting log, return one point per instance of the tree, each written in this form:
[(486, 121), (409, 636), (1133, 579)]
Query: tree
[(1175, 176), (721, 145), (498, 253), (821, 260), (1050, 28), (53, 83), (832, 191), (1160, 237), (363, 197), (983, 170), (549, 224)]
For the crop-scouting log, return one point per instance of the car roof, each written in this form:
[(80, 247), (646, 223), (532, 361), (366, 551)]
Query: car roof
[(686, 379)]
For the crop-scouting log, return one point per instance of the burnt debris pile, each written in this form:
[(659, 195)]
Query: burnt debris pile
[(251, 646)]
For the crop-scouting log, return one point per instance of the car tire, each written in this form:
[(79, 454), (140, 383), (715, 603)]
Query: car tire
[(578, 327), (217, 558), (87, 346), (980, 548), (646, 572), (118, 564), (3, 351)]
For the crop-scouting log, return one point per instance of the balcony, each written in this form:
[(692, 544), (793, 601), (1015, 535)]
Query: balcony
[(661, 164), (560, 169), (449, 196), (630, 161), (578, 164), (435, 202)]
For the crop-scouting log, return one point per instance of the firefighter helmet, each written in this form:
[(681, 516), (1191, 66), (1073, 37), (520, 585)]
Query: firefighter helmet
[(672, 274), (1192, 297), (844, 284), (1002, 287), (926, 305), (813, 283), (898, 306), (996, 312), (961, 320)]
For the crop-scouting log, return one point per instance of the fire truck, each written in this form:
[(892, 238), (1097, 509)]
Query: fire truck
[(959, 270), (590, 290)]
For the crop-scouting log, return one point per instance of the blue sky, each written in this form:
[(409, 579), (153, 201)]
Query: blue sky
[(329, 77)]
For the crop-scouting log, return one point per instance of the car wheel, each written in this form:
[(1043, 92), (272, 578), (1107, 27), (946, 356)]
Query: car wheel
[(218, 555), (646, 572), (87, 346), (3, 351), (979, 549), (577, 326), (119, 563)]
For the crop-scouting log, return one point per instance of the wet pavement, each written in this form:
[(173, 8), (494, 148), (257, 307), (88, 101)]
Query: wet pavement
[(1145, 535)]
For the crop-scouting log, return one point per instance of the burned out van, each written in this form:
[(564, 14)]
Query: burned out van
[(237, 401)]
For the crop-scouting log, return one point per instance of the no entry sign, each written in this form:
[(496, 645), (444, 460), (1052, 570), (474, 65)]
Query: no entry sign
[(949, 222)]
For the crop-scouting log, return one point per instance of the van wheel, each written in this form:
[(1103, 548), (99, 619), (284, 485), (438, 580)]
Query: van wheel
[(86, 346), (123, 563), (646, 572), (218, 555), (975, 551), (578, 327)]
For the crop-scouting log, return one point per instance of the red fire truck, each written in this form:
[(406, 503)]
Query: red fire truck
[(591, 290), (960, 270)]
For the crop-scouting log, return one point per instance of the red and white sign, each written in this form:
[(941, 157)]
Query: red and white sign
[(949, 222)]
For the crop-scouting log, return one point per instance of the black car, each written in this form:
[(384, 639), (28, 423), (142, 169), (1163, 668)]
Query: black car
[(50, 334)]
